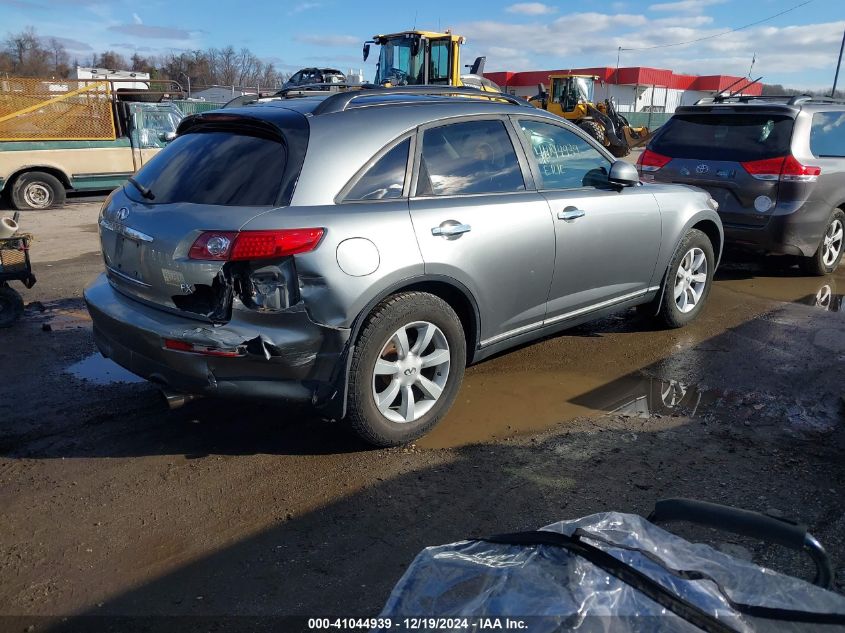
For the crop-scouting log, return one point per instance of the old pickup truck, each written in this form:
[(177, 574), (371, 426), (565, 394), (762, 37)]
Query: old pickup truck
[(79, 135)]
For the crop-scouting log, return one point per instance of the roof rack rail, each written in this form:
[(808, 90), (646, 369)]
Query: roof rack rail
[(338, 102), (787, 99)]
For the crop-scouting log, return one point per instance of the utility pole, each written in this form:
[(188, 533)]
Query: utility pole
[(838, 64)]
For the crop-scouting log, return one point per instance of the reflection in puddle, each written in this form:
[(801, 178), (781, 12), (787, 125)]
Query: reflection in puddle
[(826, 299), (641, 396), (101, 371), (505, 405)]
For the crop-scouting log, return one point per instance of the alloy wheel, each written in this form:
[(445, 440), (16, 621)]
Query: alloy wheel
[(411, 371), (690, 280), (832, 245)]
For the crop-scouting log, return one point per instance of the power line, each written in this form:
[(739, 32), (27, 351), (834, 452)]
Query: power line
[(710, 37)]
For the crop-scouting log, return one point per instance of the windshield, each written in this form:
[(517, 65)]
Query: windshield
[(397, 65), (738, 137)]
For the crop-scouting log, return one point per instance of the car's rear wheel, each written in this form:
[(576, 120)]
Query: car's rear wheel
[(827, 257), (406, 369), (36, 190), (688, 280)]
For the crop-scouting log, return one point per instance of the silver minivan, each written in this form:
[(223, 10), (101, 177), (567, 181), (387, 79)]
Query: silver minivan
[(357, 251)]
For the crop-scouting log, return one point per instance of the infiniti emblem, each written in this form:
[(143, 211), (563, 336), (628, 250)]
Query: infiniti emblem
[(410, 372), (122, 214), (702, 169)]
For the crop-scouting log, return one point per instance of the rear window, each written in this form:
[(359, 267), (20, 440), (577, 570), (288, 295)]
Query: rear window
[(736, 137), (215, 168), (827, 136)]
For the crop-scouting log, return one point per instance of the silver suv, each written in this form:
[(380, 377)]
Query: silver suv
[(357, 251)]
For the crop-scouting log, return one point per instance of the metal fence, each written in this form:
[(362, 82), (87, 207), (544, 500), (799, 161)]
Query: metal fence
[(66, 109), (195, 107)]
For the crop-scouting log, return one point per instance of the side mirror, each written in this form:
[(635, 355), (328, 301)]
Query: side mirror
[(166, 136), (366, 51), (623, 173)]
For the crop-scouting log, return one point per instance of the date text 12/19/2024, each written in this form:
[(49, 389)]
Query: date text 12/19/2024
[(418, 624)]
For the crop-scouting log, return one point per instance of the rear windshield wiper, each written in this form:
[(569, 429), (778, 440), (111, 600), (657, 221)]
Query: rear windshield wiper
[(149, 195)]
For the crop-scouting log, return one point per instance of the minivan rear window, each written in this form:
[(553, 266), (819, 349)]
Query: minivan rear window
[(215, 167), (734, 137)]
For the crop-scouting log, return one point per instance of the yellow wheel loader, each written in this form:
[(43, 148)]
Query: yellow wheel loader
[(425, 58), (572, 98)]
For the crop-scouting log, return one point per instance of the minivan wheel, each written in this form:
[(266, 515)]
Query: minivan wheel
[(406, 369), (827, 257), (36, 190), (688, 280)]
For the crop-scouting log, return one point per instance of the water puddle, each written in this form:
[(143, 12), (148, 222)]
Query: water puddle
[(825, 299), (500, 406), (54, 317), (99, 370)]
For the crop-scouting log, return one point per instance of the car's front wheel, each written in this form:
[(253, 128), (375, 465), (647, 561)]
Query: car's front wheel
[(688, 280), (827, 257), (406, 369)]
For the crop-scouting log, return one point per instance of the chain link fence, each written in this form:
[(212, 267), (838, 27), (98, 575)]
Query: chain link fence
[(44, 110)]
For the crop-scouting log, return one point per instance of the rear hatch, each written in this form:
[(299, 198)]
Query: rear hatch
[(217, 175), (726, 153)]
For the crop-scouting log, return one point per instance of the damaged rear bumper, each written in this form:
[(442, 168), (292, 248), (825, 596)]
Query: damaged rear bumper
[(283, 355)]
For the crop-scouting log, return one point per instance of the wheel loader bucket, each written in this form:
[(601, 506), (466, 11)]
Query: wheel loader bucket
[(637, 136)]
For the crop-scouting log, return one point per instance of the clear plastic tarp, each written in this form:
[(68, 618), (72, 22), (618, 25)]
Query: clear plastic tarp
[(554, 589)]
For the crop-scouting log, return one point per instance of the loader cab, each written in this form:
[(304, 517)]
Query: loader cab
[(569, 91), (416, 58)]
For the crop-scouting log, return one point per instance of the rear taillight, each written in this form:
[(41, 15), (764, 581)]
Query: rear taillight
[(183, 346), (652, 161), (784, 168), (250, 245)]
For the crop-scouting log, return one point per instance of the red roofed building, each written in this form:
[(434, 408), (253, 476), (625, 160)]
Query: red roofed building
[(637, 89)]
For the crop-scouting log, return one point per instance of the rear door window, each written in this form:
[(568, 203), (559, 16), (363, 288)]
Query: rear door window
[(385, 179), (827, 136), (468, 158), (216, 168), (735, 137)]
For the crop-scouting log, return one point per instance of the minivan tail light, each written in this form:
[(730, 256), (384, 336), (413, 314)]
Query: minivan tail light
[(251, 245), (783, 168), (652, 161)]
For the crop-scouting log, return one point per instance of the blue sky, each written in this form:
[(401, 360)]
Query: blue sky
[(797, 49)]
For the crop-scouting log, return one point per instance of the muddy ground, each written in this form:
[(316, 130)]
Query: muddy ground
[(110, 505)]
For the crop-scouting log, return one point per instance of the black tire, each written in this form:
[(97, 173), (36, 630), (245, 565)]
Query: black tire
[(595, 130), (670, 313), (37, 190), (11, 306), (619, 152), (815, 265), (378, 330)]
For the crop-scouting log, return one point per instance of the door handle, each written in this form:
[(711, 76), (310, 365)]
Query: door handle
[(451, 228), (570, 213)]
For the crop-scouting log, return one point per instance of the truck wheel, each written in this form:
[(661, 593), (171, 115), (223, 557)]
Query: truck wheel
[(595, 130), (406, 369), (688, 280), (827, 257), (11, 306), (620, 152), (37, 190)]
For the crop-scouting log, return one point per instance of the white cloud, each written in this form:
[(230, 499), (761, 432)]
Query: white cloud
[(137, 19), (543, 45), (304, 6), (531, 8), (330, 40), (684, 6)]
